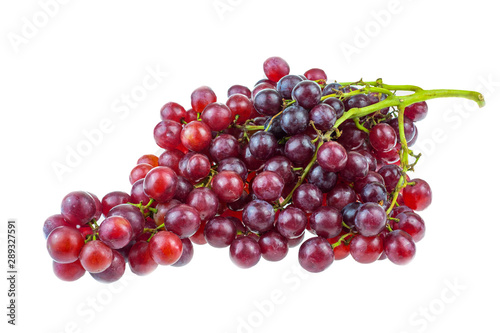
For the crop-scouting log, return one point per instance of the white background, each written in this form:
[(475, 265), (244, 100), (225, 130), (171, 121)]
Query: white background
[(71, 72)]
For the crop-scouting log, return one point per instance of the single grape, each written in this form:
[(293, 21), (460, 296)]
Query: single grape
[(95, 256), (299, 149), (201, 97), (113, 199), (323, 116), (78, 208), (267, 186), (307, 197), (366, 250), (273, 246), (291, 222), (140, 260), (307, 94), (275, 68), (349, 213), (383, 137), (182, 220), (196, 136), (220, 232), (352, 138), (370, 219), (217, 116), (391, 175), (64, 244), (114, 272), (316, 254), (263, 145), (370, 158), (340, 196), (416, 111), (326, 222), (268, 102), (356, 101), (165, 248), (115, 232), (373, 192), (239, 89), (198, 237), (195, 167), (160, 184), (205, 201), (68, 272), (355, 168), (324, 180), (408, 125), (171, 158), (167, 134), (315, 74), (332, 156), (245, 252), (417, 196), (241, 106), (294, 119), (173, 111), (259, 87), (399, 247), (228, 186), (258, 216)]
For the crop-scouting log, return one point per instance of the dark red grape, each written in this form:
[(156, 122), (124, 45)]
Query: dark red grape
[(241, 106), (95, 256), (299, 149), (78, 208), (294, 119), (132, 214), (167, 134), (140, 260), (416, 111), (340, 196), (417, 196), (323, 116), (182, 220), (349, 213), (160, 184), (53, 222), (263, 145), (366, 250), (205, 201), (399, 247), (336, 104), (258, 216), (201, 97), (115, 232), (245, 252), (307, 197), (412, 223), (286, 84), (316, 254), (355, 168), (307, 94), (139, 172), (267, 186), (68, 272), (220, 232), (233, 164), (196, 136), (165, 248), (383, 137), (273, 246), (370, 219), (275, 68), (187, 253), (291, 222), (239, 89), (332, 156), (173, 111), (64, 244), (268, 102), (315, 74), (324, 180), (217, 116), (326, 222)]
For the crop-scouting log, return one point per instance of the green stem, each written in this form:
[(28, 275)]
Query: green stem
[(337, 243), (359, 126), (304, 175)]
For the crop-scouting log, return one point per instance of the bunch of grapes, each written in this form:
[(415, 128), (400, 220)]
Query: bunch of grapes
[(296, 153)]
